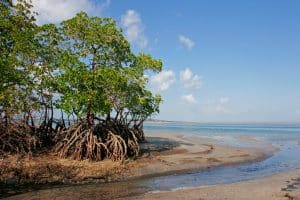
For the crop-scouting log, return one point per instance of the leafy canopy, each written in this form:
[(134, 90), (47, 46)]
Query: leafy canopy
[(99, 73), (85, 64)]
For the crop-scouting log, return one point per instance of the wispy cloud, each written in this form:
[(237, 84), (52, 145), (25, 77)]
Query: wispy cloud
[(190, 80), (134, 28), (55, 11), (189, 98), (163, 80), (224, 100), (220, 106), (187, 42), (191, 83)]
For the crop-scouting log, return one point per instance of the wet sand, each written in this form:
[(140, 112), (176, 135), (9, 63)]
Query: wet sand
[(163, 154), (193, 154), (283, 186)]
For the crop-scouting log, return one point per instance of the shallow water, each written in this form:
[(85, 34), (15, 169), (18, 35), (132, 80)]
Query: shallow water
[(228, 132), (286, 137), (286, 159)]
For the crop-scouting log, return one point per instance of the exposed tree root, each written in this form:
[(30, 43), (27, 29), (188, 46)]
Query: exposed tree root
[(79, 142), (106, 140), (116, 146), (46, 133), (139, 133), (133, 144), (17, 138)]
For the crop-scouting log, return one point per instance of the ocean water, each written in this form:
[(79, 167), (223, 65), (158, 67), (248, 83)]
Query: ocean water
[(264, 132), (286, 137)]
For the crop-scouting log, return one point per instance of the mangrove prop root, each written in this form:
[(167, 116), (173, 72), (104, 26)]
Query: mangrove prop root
[(17, 138), (133, 144), (79, 142), (97, 142), (116, 146)]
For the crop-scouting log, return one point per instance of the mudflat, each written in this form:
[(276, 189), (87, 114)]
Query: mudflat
[(282, 186), (162, 154)]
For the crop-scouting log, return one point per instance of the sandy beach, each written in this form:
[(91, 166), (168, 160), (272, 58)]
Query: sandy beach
[(163, 154), (279, 186), (283, 186), (190, 154)]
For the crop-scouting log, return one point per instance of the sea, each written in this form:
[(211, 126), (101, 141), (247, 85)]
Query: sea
[(285, 137)]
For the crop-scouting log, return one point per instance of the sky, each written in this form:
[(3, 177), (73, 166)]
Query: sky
[(224, 61)]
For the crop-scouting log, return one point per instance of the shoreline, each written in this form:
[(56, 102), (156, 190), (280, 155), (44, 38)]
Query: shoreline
[(280, 186), (219, 156), (163, 154)]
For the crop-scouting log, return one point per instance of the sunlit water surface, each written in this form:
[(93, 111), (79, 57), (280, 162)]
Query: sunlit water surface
[(284, 136)]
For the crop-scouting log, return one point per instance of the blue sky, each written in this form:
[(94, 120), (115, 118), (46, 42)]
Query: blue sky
[(224, 61)]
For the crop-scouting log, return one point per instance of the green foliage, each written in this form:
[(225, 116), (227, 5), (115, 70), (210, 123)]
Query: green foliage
[(99, 74), (84, 67), (17, 49)]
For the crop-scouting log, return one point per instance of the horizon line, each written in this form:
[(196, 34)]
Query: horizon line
[(227, 122)]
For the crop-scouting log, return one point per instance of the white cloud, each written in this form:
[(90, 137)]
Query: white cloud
[(134, 28), (220, 109), (163, 80), (189, 98), (189, 80), (221, 105), (55, 11), (187, 42), (224, 100)]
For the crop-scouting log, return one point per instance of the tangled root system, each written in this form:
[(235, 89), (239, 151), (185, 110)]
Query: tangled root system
[(79, 142), (17, 138), (82, 141), (133, 144), (116, 146)]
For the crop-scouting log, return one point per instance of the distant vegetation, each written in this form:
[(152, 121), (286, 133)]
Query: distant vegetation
[(81, 70)]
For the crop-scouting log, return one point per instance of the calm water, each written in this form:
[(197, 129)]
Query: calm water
[(284, 136), (224, 132)]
